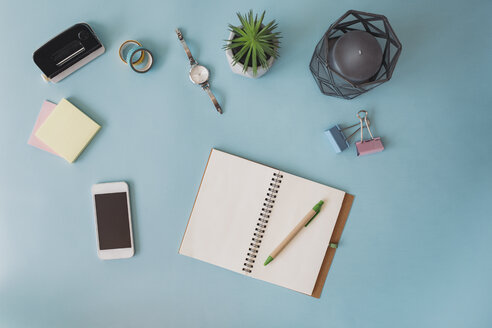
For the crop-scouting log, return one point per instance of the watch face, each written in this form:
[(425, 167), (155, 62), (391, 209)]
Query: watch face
[(199, 74)]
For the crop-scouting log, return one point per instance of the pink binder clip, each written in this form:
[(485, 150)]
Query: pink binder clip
[(371, 146)]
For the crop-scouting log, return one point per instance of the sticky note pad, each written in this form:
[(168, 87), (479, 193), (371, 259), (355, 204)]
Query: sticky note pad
[(46, 110), (67, 130)]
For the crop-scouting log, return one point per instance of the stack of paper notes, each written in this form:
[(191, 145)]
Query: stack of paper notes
[(63, 130)]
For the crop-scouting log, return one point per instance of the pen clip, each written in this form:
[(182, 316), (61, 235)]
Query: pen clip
[(311, 219)]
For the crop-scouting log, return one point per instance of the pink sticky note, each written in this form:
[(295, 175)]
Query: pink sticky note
[(46, 110)]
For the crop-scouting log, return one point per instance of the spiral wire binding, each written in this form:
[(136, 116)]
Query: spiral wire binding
[(262, 223)]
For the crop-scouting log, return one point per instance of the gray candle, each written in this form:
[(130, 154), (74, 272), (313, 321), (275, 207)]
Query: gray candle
[(357, 56)]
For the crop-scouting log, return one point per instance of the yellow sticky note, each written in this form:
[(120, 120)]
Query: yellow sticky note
[(67, 130)]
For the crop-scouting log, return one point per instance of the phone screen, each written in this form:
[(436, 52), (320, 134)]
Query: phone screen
[(112, 220)]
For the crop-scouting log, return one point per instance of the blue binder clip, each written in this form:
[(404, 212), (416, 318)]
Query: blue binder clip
[(338, 140)]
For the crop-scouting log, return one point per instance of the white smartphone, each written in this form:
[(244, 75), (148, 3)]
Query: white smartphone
[(113, 220)]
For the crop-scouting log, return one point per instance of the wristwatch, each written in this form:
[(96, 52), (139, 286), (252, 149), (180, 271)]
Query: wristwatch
[(199, 74)]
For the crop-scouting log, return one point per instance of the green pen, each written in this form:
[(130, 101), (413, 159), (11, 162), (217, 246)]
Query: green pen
[(304, 223)]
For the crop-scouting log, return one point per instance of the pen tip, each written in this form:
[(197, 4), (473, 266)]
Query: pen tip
[(268, 260)]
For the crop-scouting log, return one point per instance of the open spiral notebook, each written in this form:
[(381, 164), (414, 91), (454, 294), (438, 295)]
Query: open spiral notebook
[(243, 210)]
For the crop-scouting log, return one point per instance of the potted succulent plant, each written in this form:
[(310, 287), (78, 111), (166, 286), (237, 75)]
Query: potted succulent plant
[(253, 46)]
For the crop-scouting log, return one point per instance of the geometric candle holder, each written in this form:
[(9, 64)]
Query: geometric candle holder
[(331, 82)]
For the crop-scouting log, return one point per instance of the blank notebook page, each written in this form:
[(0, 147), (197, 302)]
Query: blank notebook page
[(226, 210), (298, 265), (226, 213)]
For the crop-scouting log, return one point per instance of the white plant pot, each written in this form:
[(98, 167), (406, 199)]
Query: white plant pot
[(238, 68)]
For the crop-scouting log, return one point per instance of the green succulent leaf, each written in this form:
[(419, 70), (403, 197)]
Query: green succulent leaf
[(254, 42)]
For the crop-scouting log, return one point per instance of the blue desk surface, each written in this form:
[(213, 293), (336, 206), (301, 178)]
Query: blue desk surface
[(416, 248)]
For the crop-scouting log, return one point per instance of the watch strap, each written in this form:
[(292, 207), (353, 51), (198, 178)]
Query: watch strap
[(185, 46), (214, 100)]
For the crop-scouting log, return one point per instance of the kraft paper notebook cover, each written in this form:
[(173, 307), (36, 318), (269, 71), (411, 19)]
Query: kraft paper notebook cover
[(243, 210)]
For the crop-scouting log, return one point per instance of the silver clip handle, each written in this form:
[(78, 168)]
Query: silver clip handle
[(365, 119)]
